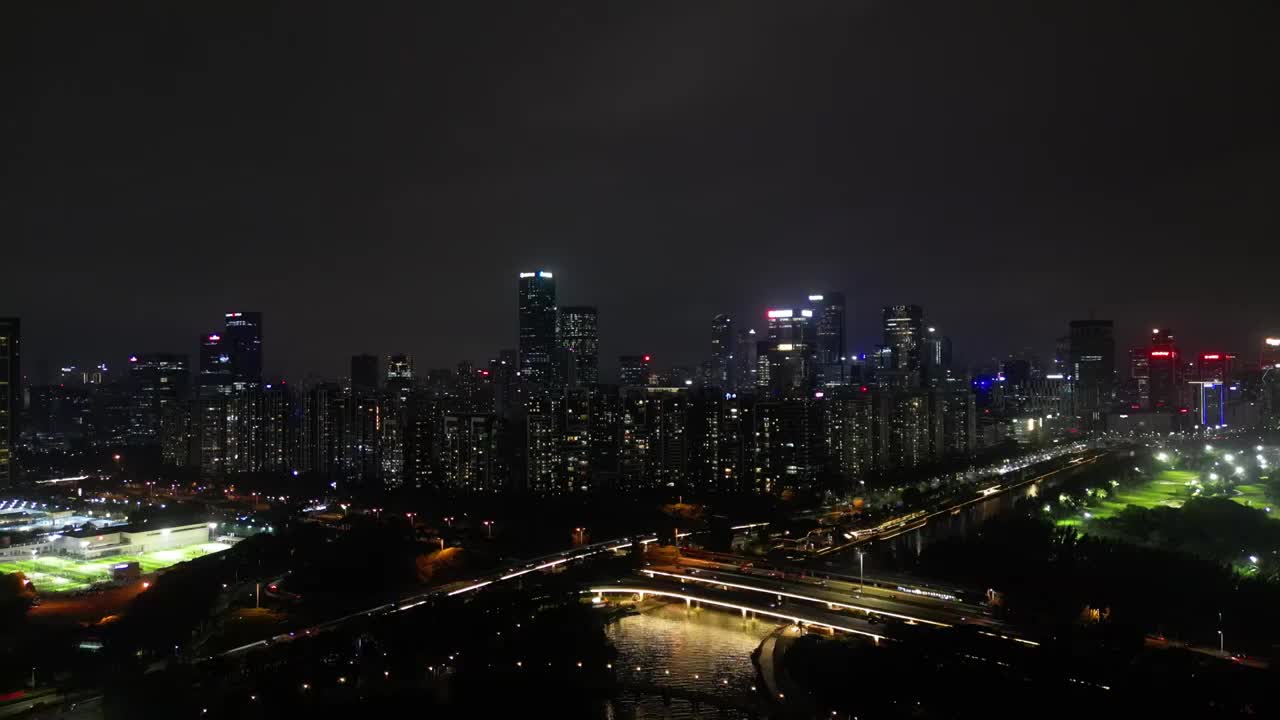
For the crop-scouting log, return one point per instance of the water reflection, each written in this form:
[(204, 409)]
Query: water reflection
[(902, 552), (703, 650)]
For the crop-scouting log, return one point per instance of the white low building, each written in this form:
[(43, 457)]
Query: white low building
[(132, 540)]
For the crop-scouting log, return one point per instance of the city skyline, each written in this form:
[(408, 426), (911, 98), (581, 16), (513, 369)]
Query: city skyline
[(335, 362)]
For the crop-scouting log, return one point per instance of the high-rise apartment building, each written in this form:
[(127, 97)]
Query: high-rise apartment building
[(10, 394)]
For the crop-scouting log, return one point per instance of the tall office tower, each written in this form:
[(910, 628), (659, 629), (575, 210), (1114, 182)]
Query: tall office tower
[(936, 357), (829, 309), (364, 374), (787, 362), (468, 455), (1138, 385), (790, 444), (158, 380), (215, 362), (904, 336), (580, 340), (1211, 393), (848, 426), (537, 297), (1270, 355), (1093, 366), (633, 370), (242, 339), (723, 371), (400, 376), (793, 326), (214, 386), (10, 395), (744, 359), (1062, 356), (1166, 372)]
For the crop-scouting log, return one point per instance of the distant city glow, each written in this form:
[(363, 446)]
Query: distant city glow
[(1159, 353), (1273, 342), (806, 313), (544, 274), (527, 275), (1056, 376), (815, 298), (786, 347), (1210, 357), (780, 313)]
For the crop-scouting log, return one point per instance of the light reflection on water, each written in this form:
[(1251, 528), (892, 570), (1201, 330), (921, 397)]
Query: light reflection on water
[(901, 553), (671, 645)]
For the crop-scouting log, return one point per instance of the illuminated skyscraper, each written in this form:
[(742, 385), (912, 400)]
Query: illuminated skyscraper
[(633, 369), (1093, 365), (904, 336), (723, 370), (829, 310), (580, 339), (745, 359), (1270, 356), (537, 297), (159, 380), (1166, 372), (10, 394), (242, 341), (400, 376)]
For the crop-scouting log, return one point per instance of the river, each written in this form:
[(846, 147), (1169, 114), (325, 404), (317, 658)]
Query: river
[(703, 650)]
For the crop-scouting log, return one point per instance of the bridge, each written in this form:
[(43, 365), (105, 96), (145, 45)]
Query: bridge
[(806, 617)]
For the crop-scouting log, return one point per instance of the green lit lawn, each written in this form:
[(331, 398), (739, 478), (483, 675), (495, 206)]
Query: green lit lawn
[(1167, 488), (1254, 496), (63, 574)]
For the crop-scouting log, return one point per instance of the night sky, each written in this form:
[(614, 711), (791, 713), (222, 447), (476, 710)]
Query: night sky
[(373, 180)]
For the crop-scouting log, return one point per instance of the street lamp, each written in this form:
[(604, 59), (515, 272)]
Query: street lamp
[(488, 526), (861, 578)]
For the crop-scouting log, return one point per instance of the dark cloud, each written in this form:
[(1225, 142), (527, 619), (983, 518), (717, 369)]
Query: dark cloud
[(373, 177)]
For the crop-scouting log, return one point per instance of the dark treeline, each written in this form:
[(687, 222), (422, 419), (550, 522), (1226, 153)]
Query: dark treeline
[(1053, 579)]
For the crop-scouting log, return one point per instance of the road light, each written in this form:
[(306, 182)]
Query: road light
[(488, 526), (1208, 448), (861, 578), (1229, 457)]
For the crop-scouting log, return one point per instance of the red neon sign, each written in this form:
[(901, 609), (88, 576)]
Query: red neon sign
[(1160, 353), (1212, 357)]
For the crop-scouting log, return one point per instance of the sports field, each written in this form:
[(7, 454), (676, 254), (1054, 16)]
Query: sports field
[(1168, 488), (64, 574)]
